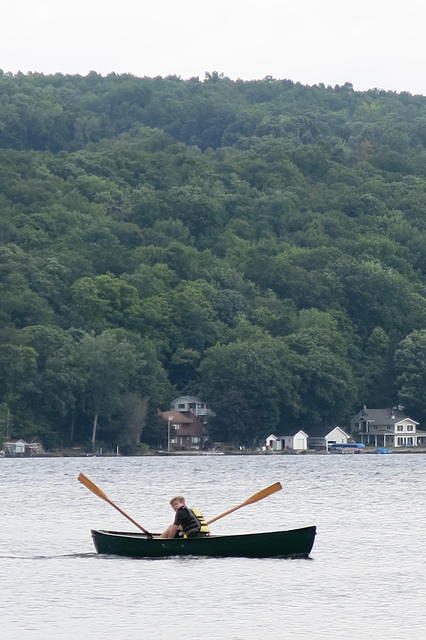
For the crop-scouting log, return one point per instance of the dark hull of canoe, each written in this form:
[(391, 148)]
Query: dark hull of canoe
[(296, 543)]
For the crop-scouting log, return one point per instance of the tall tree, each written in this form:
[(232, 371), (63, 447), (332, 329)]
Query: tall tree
[(248, 383), (18, 372), (106, 363), (327, 385)]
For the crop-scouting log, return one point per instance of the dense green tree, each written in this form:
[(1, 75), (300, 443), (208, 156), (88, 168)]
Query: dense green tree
[(410, 364), (106, 364), (248, 383), (105, 301), (327, 384), (376, 376), (17, 380), (260, 242), (129, 421)]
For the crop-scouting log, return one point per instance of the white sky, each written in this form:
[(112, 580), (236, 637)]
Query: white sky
[(370, 43)]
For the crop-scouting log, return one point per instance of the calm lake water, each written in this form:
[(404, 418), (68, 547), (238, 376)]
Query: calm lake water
[(366, 577)]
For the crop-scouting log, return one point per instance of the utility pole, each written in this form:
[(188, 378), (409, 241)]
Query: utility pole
[(169, 420)]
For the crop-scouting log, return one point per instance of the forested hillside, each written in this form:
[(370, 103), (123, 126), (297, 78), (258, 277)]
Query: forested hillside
[(259, 243)]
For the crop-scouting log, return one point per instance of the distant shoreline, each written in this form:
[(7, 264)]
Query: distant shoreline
[(207, 454)]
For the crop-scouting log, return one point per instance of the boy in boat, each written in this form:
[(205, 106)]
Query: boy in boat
[(188, 522)]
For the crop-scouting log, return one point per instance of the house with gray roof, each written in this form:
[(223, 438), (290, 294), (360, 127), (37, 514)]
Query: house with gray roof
[(191, 404), (387, 428)]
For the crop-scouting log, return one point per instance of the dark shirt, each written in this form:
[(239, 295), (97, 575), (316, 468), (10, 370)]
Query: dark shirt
[(183, 518), (190, 523)]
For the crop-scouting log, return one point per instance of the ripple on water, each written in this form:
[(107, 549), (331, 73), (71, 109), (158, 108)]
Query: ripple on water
[(365, 579)]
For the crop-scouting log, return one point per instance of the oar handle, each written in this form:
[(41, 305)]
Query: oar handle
[(225, 513), (254, 498), (123, 513)]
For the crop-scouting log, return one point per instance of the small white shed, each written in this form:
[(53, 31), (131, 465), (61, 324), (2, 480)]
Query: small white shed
[(335, 436), (297, 441), (272, 443)]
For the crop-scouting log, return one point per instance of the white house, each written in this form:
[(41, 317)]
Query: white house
[(335, 436), (15, 448), (191, 404), (22, 448), (297, 441), (387, 428)]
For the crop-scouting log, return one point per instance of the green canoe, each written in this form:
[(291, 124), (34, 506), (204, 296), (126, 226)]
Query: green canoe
[(295, 543)]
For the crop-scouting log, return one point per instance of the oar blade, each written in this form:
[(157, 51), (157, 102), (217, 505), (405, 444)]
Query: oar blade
[(264, 493), (92, 487)]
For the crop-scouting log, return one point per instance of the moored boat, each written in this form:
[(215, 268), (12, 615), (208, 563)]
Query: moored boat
[(294, 543), (346, 447)]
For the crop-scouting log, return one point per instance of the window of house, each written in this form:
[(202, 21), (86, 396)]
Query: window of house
[(195, 439), (400, 427), (410, 441), (400, 441), (181, 406), (410, 427)]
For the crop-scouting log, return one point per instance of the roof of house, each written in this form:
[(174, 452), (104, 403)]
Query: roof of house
[(291, 435), (176, 417), (382, 416), (323, 435), (333, 428), (186, 399)]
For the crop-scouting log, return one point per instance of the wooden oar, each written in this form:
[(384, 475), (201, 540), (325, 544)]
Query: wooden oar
[(254, 498), (98, 492)]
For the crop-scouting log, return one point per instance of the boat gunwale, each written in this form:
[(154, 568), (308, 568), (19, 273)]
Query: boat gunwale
[(156, 536)]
